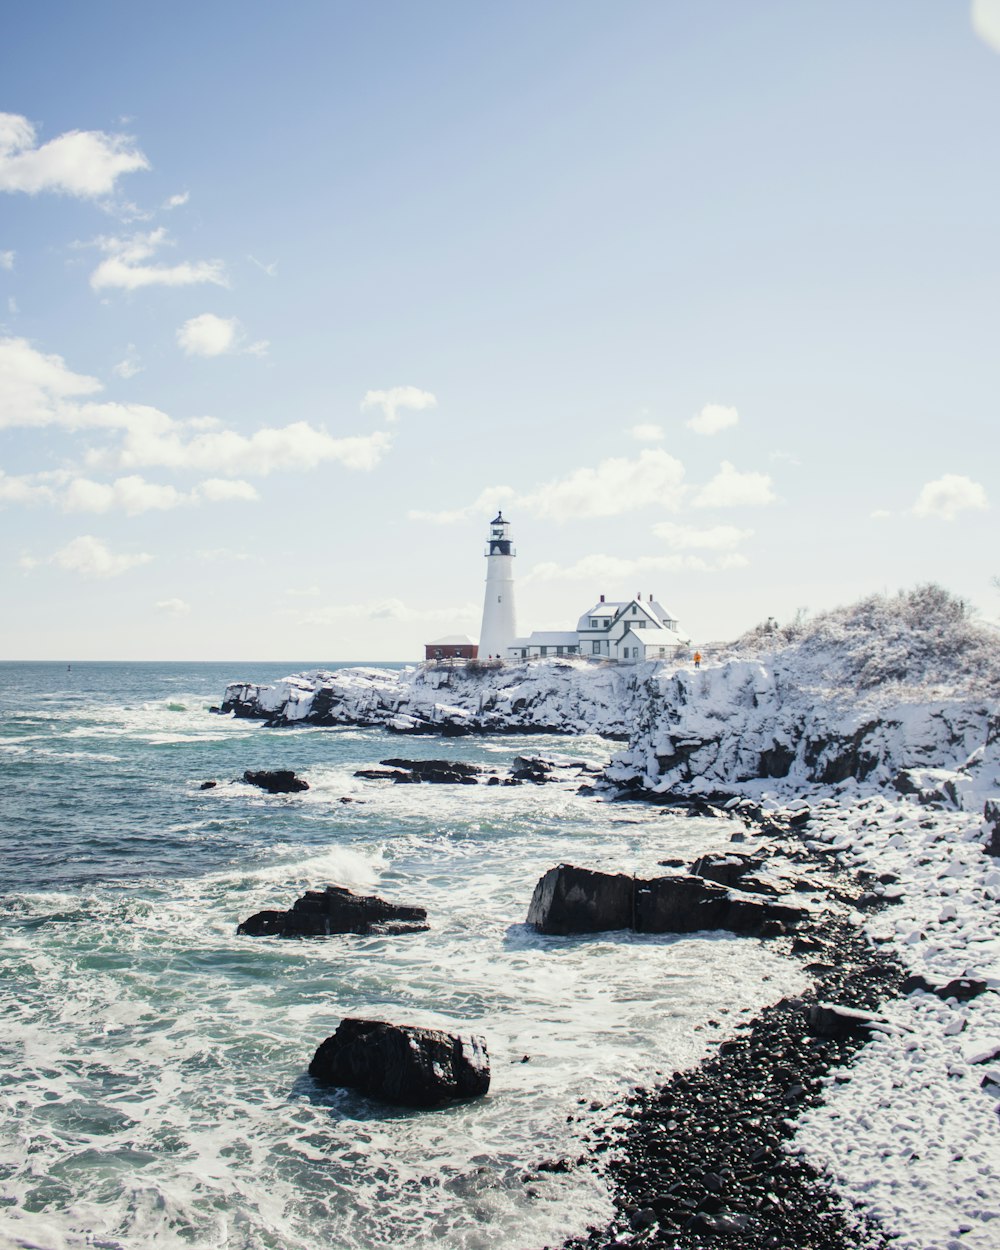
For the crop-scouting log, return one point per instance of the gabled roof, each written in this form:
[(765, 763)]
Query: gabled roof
[(452, 640), (599, 609)]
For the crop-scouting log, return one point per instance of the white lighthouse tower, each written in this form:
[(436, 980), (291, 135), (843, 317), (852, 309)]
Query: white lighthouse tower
[(498, 630)]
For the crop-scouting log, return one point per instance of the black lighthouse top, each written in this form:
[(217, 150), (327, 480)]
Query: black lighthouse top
[(499, 544)]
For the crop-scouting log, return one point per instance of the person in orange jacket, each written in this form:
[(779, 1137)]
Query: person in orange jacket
[(697, 659)]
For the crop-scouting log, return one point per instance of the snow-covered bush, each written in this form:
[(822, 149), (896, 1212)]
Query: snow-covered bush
[(920, 637)]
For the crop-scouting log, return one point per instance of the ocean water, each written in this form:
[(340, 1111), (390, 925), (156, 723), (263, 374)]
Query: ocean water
[(153, 1085)]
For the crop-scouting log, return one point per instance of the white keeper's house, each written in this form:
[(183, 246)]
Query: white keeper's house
[(632, 629)]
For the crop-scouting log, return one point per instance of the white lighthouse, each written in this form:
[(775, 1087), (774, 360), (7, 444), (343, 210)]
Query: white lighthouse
[(498, 630)]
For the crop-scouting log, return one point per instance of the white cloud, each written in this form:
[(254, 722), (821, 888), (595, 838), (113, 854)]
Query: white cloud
[(7, 260), (224, 490), (398, 397), (22, 490), (208, 335), (880, 514), (493, 497), (646, 432), (173, 607), (295, 446), (616, 486), (85, 163), (35, 388), (713, 418), (985, 17), (132, 495), (126, 269), (39, 390), (178, 201), (732, 489), (130, 366), (601, 570), (715, 538), (89, 557), (949, 495)]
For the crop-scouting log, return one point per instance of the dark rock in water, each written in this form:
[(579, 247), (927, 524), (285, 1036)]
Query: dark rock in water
[(276, 781), (384, 774), (208, 785), (726, 869), (961, 988), (438, 772), (321, 913), (577, 900), (531, 768), (835, 1020), (687, 904), (403, 1064)]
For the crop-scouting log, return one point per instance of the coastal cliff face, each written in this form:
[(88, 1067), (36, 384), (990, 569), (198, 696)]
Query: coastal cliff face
[(901, 692), (544, 696)]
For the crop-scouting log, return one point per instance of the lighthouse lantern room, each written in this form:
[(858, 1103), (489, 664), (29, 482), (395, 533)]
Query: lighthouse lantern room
[(499, 628)]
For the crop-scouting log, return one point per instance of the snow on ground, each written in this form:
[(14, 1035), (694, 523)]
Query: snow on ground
[(885, 717), (909, 1130)]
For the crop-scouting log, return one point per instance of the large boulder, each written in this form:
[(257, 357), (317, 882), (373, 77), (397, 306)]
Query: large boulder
[(578, 900), (276, 780), (687, 904), (320, 913), (568, 900), (403, 1064)]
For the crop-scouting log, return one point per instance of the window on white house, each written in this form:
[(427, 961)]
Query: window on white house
[(595, 648), (593, 623)]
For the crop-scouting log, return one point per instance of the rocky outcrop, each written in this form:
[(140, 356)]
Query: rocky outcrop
[(403, 1064), (322, 913), (544, 696), (569, 899), (276, 781)]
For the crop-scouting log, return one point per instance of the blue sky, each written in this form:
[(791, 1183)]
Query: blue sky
[(705, 295)]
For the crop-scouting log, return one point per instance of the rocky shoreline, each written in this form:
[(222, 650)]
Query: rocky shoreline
[(704, 1156)]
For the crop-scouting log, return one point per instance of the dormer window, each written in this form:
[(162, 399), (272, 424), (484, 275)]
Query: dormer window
[(594, 623)]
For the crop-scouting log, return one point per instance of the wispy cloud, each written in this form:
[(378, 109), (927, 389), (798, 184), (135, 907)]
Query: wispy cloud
[(178, 201), (601, 569), (985, 15), (130, 366), (40, 390), (397, 398), (132, 495), (388, 610), (616, 486), (271, 270), (173, 607), (713, 418), (7, 259), (647, 432), (83, 163), (125, 267), (688, 537), (89, 557)]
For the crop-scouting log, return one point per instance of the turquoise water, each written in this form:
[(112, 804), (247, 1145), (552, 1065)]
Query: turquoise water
[(153, 1087)]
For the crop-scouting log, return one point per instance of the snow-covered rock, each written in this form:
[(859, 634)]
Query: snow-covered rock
[(540, 696)]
